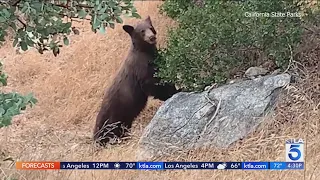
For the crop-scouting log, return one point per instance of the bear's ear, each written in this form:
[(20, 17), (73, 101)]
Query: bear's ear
[(148, 19), (127, 28)]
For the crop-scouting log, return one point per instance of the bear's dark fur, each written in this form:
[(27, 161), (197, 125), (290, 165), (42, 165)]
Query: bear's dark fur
[(128, 94)]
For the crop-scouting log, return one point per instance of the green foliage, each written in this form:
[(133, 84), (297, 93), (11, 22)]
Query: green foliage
[(12, 104), (37, 23), (214, 40), (174, 8)]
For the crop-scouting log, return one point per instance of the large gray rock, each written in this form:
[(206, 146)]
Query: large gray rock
[(213, 118)]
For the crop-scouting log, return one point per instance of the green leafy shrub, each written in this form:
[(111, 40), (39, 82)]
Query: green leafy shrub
[(174, 8), (12, 104), (213, 41)]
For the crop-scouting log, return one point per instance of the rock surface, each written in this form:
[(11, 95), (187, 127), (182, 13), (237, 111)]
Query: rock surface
[(213, 118), (253, 72)]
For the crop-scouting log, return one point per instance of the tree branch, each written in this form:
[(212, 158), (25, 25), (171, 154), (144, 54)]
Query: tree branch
[(24, 24), (11, 2), (66, 6), (72, 18), (14, 2)]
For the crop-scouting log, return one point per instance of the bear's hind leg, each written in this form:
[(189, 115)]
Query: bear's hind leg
[(126, 126)]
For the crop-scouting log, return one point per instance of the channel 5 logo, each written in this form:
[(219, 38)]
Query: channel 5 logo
[(294, 150)]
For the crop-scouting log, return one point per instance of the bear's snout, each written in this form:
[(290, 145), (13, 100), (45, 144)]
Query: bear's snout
[(149, 36), (153, 38)]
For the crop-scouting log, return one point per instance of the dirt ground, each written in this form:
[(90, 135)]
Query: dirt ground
[(70, 88)]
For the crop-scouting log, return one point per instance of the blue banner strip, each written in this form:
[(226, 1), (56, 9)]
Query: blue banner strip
[(183, 165)]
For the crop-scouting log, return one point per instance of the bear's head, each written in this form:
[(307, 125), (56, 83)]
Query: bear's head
[(142, 33)]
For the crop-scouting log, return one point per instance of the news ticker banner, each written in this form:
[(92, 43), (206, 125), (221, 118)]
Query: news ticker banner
[(294, 156), (160, 165)]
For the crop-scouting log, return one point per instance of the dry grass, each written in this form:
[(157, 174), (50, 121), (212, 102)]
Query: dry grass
[(70, 89)]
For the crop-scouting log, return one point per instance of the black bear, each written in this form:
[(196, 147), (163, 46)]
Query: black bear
[(128, 94)]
